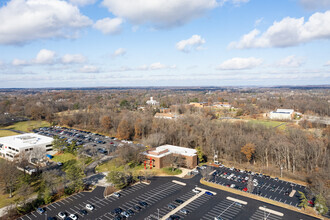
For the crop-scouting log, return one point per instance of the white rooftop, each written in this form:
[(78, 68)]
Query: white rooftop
[(173, 149), (285, 111), (25, 140)]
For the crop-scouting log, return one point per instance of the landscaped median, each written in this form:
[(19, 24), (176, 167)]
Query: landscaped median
[(308, 211)]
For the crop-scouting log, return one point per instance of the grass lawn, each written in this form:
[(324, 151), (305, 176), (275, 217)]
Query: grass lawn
[(5, 133), (64, 157), (27, 126), (168, 171), (269, 123), (5, 200), (112, 165)]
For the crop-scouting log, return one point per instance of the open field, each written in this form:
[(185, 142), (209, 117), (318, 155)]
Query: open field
[(65, 157), (269, 123), (112, 166), (5, 133), (27, 126)]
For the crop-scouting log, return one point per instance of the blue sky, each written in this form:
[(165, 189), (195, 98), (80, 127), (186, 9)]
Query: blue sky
[(83, 43)]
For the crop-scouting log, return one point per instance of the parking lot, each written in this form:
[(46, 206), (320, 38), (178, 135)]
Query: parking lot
[(270, 188), (102, 144), (155, 199), (225, 209)]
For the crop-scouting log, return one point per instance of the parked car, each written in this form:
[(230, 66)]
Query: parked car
[(130, 211), (137, 208), (125, 214), (196, 190), (184, 211), (40, 210), (89, 207), (83, 212), (245, 189), (115, 194), (73, 217), (209, 193), (62, 215), (144, 204), (171, 206), (174, 217), (179, 201)]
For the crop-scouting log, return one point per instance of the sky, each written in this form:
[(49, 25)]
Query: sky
[(112, 43)]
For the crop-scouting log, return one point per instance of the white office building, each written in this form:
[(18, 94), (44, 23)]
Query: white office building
[(12, 146), (152, 101), (282, 114)]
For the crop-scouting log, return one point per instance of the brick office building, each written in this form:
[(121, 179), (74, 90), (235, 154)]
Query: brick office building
[(158, 155)]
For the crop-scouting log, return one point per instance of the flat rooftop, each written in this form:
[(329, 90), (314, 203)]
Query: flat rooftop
[(25, 140), (164, 150)]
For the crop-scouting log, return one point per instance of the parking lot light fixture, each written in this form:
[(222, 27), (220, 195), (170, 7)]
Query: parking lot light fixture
[(158, 213)]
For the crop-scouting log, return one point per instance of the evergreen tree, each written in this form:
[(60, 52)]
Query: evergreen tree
[(303, 200)]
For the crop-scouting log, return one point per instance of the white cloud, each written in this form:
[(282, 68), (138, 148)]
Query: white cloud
[(239, 2), (157, 66), (73, 58), (89, 69), (26, 20), (45, 57), (18, 62), (153, 66), (315, 4), (288, 32), (189, 44), (238, 63), (82, 2), (119, 52), (291, 61), (258, 22), (327, 63), (109, 25), (162, 13)]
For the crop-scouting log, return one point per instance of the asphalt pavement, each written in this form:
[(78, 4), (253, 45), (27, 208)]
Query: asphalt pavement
[(158, 195)]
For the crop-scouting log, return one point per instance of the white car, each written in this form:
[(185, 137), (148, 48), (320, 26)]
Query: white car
[(232, 185), (184, 211), (115, 194), (89, 207), (124, 213), (73, 216), (196, 191), (255, 180), (246, 178), (62, 215)]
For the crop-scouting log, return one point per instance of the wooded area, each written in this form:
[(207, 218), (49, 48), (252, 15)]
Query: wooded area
[(302, 152)]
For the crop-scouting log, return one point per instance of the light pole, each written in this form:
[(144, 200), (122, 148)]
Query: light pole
[(281, 168), (158, 214)]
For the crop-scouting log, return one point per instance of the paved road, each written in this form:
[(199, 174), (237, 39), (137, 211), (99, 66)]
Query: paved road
[(161, 192)]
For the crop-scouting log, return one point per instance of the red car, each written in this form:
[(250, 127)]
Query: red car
[(245, 189), (311, 203)]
